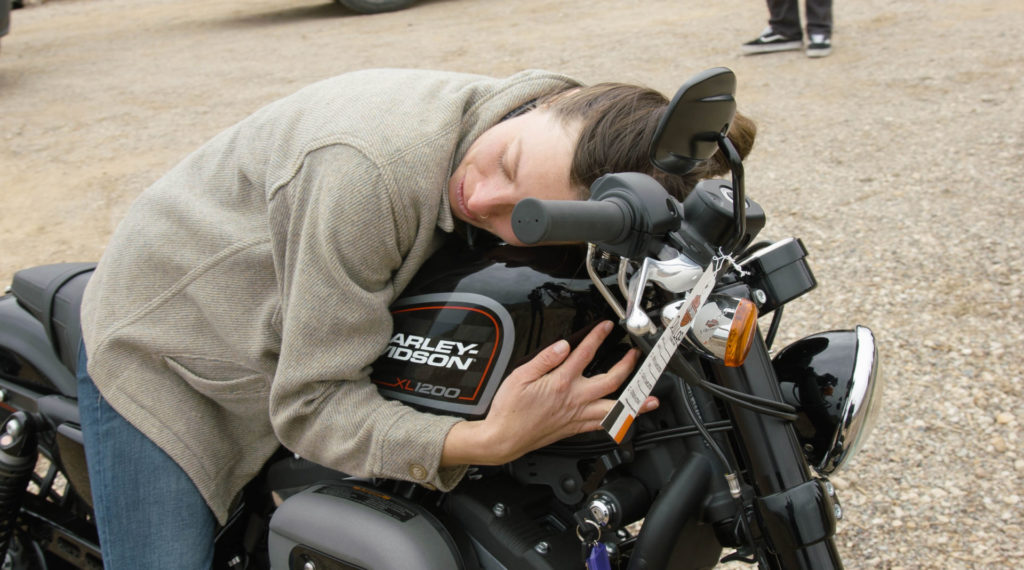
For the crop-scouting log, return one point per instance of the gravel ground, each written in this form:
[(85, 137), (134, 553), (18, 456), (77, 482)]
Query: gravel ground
[(898, 161)]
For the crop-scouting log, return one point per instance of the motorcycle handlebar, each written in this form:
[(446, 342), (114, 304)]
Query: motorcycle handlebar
[(629, 214), (600, 221)]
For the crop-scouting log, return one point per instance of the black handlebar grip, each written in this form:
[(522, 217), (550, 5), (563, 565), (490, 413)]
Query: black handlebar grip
[(601, 221)]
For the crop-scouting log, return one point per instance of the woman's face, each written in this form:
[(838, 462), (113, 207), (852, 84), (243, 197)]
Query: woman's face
[(526, 156)]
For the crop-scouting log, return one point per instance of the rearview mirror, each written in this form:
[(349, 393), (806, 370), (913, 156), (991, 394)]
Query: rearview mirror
[(698, 115)]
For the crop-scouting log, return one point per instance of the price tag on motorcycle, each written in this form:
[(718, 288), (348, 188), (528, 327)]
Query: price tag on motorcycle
[(625, 410)]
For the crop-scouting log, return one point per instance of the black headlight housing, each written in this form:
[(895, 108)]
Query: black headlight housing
[(832, 379)]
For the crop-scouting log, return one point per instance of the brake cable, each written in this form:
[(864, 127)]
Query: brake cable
[(731, 476), (682, 368)]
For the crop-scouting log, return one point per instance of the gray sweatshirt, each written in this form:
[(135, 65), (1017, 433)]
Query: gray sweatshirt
[(242, 300)]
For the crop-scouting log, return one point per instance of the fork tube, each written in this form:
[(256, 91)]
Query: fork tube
[(778, 467)]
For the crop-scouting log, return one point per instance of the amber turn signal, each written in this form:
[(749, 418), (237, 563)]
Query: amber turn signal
[(723, 328), (741, 333)]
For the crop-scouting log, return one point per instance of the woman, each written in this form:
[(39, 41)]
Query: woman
[(242, 300)]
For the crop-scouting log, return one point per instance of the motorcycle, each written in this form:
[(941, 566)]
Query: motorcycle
[(736, 458)]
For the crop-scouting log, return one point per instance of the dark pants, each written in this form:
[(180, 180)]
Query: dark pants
[(784, 17)]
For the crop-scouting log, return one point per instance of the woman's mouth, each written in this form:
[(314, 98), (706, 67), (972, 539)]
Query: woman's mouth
[(460, 197)]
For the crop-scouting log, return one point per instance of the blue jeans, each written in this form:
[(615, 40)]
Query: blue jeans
[(148, 512)]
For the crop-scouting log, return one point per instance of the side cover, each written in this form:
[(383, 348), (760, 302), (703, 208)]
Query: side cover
[(348, 525)]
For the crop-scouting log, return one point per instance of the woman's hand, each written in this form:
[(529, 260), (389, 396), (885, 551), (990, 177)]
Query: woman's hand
[(541, 402)]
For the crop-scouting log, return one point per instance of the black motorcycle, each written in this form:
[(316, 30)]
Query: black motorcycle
[(734, 460)]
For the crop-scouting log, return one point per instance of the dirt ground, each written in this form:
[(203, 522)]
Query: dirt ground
[(898, 161)]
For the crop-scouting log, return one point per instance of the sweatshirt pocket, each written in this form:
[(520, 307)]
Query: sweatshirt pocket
[(229, 385)]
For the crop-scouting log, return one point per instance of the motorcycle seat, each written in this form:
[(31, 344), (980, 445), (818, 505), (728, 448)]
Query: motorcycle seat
[(53, 295)]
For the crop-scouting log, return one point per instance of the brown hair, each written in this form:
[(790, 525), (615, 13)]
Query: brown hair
[(618, 122)]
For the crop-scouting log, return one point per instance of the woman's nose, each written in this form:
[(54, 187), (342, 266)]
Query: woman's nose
[(492, 197)]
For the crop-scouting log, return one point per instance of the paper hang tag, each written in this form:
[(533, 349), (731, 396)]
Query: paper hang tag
[(625, 410)]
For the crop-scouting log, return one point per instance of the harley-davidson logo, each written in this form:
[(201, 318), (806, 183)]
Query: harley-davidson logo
[(447, 352), (425, 350)]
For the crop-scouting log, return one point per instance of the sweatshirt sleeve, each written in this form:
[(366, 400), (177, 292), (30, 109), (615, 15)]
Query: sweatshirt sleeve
[(341, 232)]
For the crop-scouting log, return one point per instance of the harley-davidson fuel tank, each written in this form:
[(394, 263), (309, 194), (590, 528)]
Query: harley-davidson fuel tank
[(473, 315)]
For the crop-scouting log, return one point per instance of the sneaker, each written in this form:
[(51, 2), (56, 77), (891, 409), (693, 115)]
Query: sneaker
[(819, 46), (769, 42)]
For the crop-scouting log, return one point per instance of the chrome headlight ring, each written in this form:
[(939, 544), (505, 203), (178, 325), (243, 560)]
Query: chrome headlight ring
[(862, 405)]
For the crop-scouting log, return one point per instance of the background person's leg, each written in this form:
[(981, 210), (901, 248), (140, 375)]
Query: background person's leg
[(819, 17), (783, 31), (819, 28), (784, 18)]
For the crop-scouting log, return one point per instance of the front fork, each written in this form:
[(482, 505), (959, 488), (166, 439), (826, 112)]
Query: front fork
[(795, 511)]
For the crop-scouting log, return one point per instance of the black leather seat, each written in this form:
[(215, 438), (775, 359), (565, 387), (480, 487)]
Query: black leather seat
[(53, 295)]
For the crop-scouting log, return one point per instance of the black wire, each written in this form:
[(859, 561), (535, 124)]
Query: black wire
[(771, 408), (740, 516), (773, 328), (740, 507), (749, 401), (765, 402), (698, 423), (754, 403), (651, 438), (640, 441)]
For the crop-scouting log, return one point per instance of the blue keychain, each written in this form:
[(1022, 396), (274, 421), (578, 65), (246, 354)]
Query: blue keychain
[(594, 552), (598, 557)]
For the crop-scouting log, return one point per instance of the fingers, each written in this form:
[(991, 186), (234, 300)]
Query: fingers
[(649, 405), (546, 361), (603, 384), (624, 366), (591, 417), (555, 355), (586, 350), (598, 409)]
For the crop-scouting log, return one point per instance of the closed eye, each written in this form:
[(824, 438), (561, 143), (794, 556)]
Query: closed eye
[(502, 165)]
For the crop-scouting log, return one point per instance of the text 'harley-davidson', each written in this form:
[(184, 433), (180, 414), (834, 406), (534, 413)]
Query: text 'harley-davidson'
[(736, 458)]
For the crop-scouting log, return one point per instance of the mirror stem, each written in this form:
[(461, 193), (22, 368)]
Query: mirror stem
[(739, 198)]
